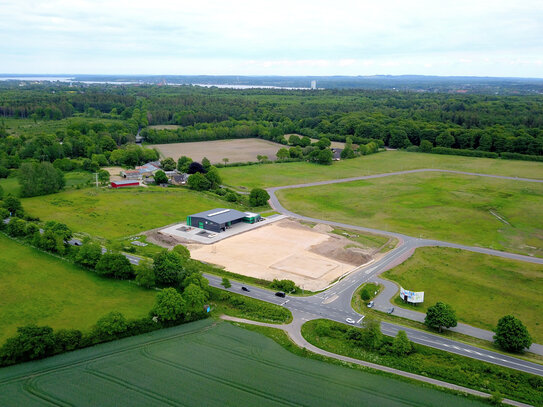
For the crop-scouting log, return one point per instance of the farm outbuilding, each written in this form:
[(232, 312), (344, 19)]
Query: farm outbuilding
[(217, 220), (121, 184)]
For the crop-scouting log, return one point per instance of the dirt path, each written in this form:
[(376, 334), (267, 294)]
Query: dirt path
[(293, 330)]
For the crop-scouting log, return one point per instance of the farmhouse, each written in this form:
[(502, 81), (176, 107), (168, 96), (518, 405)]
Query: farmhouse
[(219, 219), (127, 183)]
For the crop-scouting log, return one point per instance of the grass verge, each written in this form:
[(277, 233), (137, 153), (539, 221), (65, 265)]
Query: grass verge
[(498, 286), (331, 336)]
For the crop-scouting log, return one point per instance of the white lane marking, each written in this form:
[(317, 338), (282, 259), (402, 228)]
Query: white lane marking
[(285, 302), (363, 316)]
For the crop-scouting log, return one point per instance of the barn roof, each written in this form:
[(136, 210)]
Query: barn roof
[(220, 215)]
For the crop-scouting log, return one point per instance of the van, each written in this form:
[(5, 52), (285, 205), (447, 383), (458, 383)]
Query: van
[(280, 294)]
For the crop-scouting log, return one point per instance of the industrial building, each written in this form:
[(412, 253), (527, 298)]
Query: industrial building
[(122, 184), (217, 220)]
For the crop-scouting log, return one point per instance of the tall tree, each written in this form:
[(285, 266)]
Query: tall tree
[(440, 315), (512, 335)]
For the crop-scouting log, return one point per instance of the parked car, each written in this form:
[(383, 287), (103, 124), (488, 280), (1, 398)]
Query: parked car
[(371, 304), (244, 289), (350, 320), (390, 310), (280, 294)]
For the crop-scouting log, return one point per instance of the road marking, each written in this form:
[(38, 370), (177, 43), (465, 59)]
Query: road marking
[(363, 316), (330, 299), (285, 302)]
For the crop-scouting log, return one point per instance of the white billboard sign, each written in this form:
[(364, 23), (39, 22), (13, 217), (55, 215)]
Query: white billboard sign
[(411, 296)]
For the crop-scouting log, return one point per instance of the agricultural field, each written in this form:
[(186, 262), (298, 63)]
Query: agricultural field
[(73, 179), (111, 214), (41, 289), (270, 175), (30, 127), (204, 363), (499, 214), (458, 278), (237, 150)]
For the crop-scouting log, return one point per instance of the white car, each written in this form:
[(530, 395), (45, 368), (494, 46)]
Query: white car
[(371, 304), (350, 320)]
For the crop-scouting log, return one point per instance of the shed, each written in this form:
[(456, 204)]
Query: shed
[(121, 184), (219, 219)]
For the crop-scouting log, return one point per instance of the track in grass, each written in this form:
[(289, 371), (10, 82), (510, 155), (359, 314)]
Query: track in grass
[(204, 364)]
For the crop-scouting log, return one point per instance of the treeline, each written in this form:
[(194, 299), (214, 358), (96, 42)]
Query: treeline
[(512, 124)]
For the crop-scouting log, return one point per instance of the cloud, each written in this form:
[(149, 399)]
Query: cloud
[(322, 37)]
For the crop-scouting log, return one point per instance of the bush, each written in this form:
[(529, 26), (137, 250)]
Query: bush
[(88, 255), (287, 286), (182, 251), (523, 157), (111, 326), (465, 153), (160, 177), (16, 227), (512, 335), (145, 276), (198, 182), (167, 267), (258, 197), (231, 197), (169, 305)]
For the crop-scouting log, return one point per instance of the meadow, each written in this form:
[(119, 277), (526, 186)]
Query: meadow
[(38, 288), (204, 363), (114, 213), (459, 278), (499, 214), (73, 179), (270, 175)]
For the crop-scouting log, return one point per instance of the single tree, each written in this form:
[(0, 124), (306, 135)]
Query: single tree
[(440, 315), (114, 265), (401, 345), (160, 177), (182, 251), (167, 266), (183, 164), (145, 276), (372, 338), (213, 177), (195, 298), (198, 182), (168, 164), (226, 160), (425, 146), (258, 197), (110, 326), (13, 205), (195, 167), (169, 305), (226, 283), (103, 177), (88, 255), (512, 335), (40, 179), (206, 163), (282, 154)]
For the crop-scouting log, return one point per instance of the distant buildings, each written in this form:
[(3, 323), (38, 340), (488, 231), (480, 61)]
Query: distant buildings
[(313, 84)]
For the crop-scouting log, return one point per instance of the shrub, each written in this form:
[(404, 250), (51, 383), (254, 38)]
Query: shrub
[(231, 197), (31, 342), (287, 286), (258, 197), (169, 305), (182, 251), (109, 327), (114, 265), (512, 335)]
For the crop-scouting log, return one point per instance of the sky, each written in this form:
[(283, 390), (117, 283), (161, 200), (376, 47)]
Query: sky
[(279, 37)]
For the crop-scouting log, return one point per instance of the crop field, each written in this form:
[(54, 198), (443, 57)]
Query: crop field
[(499, 214), (111, 214), (204, 364), (270, 175), (459, 278), (237, 150), (39, 288)]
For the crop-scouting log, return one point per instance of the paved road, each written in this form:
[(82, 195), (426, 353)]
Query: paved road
[(320, 306)]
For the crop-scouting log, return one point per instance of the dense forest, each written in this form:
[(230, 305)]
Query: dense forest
[(98, 123)]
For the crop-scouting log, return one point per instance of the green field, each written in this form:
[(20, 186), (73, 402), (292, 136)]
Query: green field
[(114, 213), (481, 288), (454, 208), (204, 364), (269, 175), (11, 184), (42, 289)]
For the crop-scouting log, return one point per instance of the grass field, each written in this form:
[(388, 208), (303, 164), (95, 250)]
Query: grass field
[(481, 288), (203, 364), (269, 175), (18, 127), (39, 288), (114, 213), (454, 208), (11, 184)]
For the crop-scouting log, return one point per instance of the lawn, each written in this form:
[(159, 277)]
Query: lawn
[(42, 289), (455, 208), (481, 288), (268, 175), (205, 364), (115, 213)]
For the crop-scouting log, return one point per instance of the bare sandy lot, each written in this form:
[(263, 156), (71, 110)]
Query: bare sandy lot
[(114, 173), (164, 126), (238, 150), (284, 250)]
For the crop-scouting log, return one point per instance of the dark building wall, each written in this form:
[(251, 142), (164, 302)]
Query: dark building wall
[(207, 224)]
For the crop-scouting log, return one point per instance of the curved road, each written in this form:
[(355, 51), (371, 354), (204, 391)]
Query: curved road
[(335, 303)]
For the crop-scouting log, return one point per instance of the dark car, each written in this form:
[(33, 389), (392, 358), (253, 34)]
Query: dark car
[(280, 294), (244, 289)]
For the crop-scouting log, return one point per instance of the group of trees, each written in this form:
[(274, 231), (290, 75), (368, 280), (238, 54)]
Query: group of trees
[(511, 334)]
